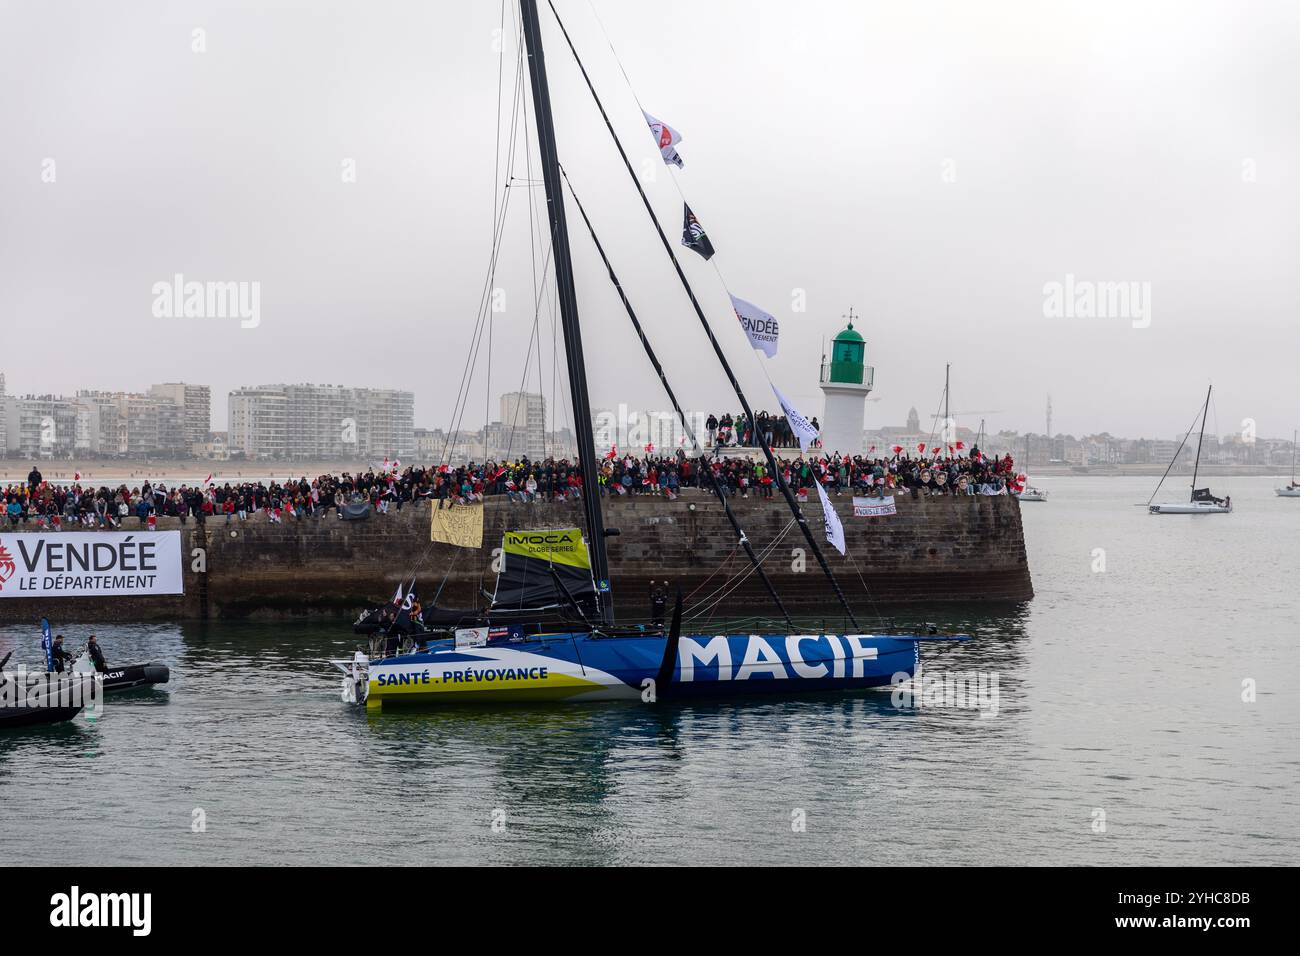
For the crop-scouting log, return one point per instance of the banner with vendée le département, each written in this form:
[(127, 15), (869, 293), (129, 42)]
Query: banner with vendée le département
[(90, 564)]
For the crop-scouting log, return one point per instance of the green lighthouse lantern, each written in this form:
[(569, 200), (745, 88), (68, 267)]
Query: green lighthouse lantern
[(848, 357)]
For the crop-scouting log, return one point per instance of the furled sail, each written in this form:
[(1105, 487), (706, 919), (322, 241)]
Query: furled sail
[(534, 566)]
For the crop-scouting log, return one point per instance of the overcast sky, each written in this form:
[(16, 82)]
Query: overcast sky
[(934, 165)]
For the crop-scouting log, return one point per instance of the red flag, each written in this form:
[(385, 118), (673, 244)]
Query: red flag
[(649, 448), (898, 449), (921, 448), (612, 453), (960, 445), (208, 480), (76, 476)]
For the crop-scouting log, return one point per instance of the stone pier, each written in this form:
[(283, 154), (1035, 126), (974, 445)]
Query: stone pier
[(935, 550)]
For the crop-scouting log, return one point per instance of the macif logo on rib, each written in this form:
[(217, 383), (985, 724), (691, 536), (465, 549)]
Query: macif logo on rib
[(76, 909)]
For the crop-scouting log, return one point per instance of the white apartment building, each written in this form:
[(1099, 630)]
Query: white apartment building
[(195, 403), (523, 424), (321, 422)]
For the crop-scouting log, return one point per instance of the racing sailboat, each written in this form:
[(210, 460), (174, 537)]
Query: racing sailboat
[(1202, 502), (497, 657), (1292, 490)]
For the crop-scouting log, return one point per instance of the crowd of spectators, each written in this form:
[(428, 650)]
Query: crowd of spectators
[(66, 505), (738, 430)]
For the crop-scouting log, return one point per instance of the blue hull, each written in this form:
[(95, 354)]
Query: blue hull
[(580, 667)]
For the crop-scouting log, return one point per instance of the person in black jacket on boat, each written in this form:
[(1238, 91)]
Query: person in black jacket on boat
[(96, 654), (58, 655), (658, 603)]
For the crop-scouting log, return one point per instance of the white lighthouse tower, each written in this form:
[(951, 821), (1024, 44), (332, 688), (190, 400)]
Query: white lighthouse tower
[(846, 380)]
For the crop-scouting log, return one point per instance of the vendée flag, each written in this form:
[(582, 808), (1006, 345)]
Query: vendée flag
[(834, 527), (761, 328), (798, 424)]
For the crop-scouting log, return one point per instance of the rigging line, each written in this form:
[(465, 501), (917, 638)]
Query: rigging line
[(672, 172), (778, 476), (466, 373), (735, 583), (534, 337), (672, 397), (1200, 439), (1175, 458), (708, 598), (740, 577), (942, 396), (462, 395), (875, 609), (496, 153), (450, 567), (736, 580), (731, 554), (537, 304)]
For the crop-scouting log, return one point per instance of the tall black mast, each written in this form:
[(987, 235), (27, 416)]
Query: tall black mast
[(577, 369), (1197, 466)]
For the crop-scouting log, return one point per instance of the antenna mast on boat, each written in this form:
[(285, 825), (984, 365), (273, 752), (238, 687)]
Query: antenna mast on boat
[(1197, 466), (577, 369)]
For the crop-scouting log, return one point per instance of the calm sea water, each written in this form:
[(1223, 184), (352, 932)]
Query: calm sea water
[(1120, 691)]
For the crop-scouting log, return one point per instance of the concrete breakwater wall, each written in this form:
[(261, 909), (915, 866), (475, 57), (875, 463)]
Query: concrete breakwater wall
[(943, 549)]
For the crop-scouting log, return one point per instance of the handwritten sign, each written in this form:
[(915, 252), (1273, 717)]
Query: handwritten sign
[(459, 525)]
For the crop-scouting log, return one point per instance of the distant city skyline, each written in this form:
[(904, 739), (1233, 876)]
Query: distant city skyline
[(307, 421)]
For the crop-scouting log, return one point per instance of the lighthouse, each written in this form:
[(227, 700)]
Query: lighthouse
[(846, 381)]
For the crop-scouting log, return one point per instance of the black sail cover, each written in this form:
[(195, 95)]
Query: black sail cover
[(527, 557)]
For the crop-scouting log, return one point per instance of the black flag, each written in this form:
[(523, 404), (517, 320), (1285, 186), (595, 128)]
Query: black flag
[(693, 236)]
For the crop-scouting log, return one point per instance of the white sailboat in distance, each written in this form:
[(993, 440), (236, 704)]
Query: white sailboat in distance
[(1292, 490), (1201, 501)]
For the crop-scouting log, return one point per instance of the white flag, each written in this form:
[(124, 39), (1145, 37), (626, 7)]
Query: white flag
[(834, 528), (761, 327), (798, 424), (665, 138)]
